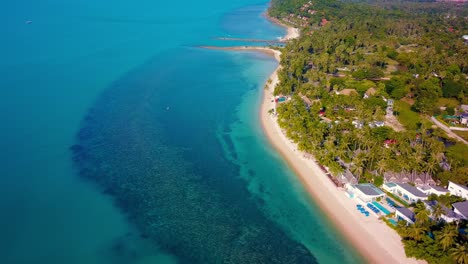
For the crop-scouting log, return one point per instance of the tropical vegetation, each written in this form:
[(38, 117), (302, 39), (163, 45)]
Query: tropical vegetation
[(360, 64)]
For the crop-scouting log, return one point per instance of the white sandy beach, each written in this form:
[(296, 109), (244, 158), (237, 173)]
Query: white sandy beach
[(377, 242), (292, 33)]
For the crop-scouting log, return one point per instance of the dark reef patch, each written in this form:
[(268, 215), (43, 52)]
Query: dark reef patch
[(197, 209)]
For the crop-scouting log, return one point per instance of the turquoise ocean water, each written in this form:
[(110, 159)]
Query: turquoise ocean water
[(125, 143)]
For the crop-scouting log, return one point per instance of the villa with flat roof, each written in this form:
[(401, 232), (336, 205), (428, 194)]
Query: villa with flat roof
[(405, 191), (367, 192), (448, 215), (461, 208), (403, 213), (428, 189), (458, 190)]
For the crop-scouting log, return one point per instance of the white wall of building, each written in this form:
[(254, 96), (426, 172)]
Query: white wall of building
[(457, 190)]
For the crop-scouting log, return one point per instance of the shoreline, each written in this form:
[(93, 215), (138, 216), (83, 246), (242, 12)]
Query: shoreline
[(372, 238), (291, 32)]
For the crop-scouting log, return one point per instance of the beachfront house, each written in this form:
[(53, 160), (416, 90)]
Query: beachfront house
[(405, 191), (366, 192), (428, 189), (461, 209), (458, 190), (403, 213), (448, 215)]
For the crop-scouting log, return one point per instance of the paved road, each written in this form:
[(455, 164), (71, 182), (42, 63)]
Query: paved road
[(446, 129)]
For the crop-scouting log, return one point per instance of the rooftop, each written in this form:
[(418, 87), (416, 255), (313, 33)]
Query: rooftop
[(411, 189), (449, 213), (439, 189), (406, 212), (371, 91), (462, 207), (390, 184), (368, 189), (430, 203), (347, 92), (425, 187)]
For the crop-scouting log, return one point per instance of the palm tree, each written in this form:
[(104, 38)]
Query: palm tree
[(373, 153), (382, 165), (422, 215), (335, 168), (437, 211), (416, 232), (358, 167), (431, 166), (403, 229), (448, 236), (460, 253)]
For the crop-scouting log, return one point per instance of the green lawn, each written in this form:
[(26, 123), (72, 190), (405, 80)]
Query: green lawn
[(463, 134), (408, 118), (448, 102)]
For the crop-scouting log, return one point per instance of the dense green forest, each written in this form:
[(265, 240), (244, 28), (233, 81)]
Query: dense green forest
[(419, 61), (432, 239), (360, 64)]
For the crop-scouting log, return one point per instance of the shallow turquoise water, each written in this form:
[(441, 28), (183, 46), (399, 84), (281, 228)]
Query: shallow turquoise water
[(166, 134)]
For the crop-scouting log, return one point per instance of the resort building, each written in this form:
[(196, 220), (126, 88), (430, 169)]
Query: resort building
[(405, 191), (403, 213), (458, 190), (461, 209), (428, 189), (448, 215), (366, 192)]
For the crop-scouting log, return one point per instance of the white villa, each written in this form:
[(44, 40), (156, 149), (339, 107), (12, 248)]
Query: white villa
[(448, 215), (428, 189), (403, 213), (405, 191), (458, 190), (366, 192)]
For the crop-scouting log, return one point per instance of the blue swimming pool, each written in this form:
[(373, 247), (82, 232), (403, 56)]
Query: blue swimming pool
[(390, 201), (381, 208), (393, 222)]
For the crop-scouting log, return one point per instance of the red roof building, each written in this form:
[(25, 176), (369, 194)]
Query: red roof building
[(324, 22)]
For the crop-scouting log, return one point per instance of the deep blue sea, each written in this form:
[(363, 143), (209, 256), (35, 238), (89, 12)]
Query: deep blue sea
[(123, 142)]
